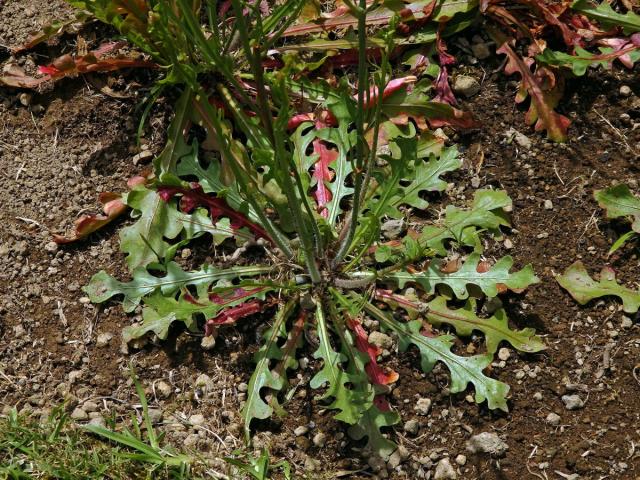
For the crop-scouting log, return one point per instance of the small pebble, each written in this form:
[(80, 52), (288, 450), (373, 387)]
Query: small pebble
[(626, 322), (461, 459), (553, 419), (163, 389), (487, 442), (444, 470), (508, 244), (504, 354), (423, 405), (197, 419), (625, 91), (51, 247), (572, 402), (319, 439), (79, 414), (412, 427), (103, 339), (537, 396), (301, 430), (548, 205)]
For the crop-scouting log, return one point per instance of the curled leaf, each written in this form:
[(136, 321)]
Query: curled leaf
[(113, 207)]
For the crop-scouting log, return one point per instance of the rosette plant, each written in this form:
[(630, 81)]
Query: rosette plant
[(309, 171)]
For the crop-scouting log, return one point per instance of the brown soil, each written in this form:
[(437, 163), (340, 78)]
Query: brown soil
[(55, 160)]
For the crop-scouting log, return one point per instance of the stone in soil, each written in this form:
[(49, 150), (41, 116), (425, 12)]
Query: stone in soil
[(444, 470), (381, 340), (103, 339), (423, 405), (487, 442), (412, 426), (466, 85), (553, 419), (79, 414), (572, 402), (163, 389)]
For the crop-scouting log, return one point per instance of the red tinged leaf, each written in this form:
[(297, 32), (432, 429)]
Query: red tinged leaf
[(113, 207), (68, 65), (376, 374), (217, 206), (292, 343), (543, 100), (233, 314), (323, 175), (381, 402), (299, 119), (234, 295), (391, 87), (550, 14), (444, 94)]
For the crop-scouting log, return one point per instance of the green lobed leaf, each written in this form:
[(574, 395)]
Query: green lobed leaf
[(583, 288), (607, 16), (263, 376), (464, 370), (351, 402), (491, 282), (369, 426), (495, 328), (618, 201), (103, 286), (581, 60), (461, 225)]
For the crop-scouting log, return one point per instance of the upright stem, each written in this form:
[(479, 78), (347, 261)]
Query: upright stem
[(363, 90)]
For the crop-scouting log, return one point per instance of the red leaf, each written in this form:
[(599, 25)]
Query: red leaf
[(233, 314), (217, 206), (392, 86), (542, 101), (377, 375), (444, 94), (322, 174), (113, 207)]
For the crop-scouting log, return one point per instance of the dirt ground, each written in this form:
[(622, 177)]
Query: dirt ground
[(60, 148)]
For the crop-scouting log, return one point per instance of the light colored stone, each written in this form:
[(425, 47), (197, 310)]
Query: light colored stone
[(412, 427), (191, 440), (319, 439), (423, 405), (79, 414), (625, 90), (553, 419), (519, 138), (572, 402), (381, 340), (208, 342), (90, 406), (444, 470), (392, 229), (51, 247), (466, 85), (163, 389), (103, 339), (508, 244), (395, 459), (487, 442), (626, 322), (155, 415), (197, 419), (504, 354), (301, 430), (548, 205), (461, 460)]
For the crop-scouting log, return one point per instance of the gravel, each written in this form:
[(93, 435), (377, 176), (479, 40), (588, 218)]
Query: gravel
[(466, 85), (412, 427), (487, 442), (381, 340), (301, 430), (572, 402), (423, 405), (444, 470), (553, 419), (163, 389), (103, 339)]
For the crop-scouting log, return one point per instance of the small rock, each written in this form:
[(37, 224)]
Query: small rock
[(90, 406), (243, 387), (97, 421), (481, 51), (25, 99), (208, 342), (508, 244), (103, 339), (626, 322), (461, 459), (504, 354), (79, 414), (155, 415), (191, 440), (163, 389), (542, 235), (444, 470), (18, 331), (197, 419), (412, 427), (553, 419), (548, 205), (376, 464), (625, 91), (423, 405), (319, 439), (301, 430), (487, 442), (466, 85), (51, 247), (392, 229), (519, 138), (537, 396), (572, 402), (74, 376), (395, 459), (381, 340)]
